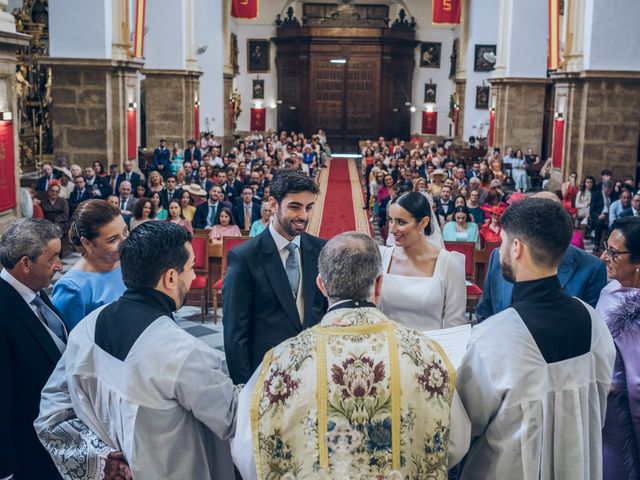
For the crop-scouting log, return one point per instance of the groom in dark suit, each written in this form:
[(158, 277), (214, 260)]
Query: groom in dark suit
[(32, 339), (269, 290)]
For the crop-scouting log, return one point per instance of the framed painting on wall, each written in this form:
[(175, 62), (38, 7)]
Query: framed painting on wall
[(258, 89), (430, 90), (482, 98), (484, 58), (430, 54), (257, 56)]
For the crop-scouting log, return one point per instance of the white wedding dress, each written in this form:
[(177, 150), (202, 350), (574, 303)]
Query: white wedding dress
[(426, 303)]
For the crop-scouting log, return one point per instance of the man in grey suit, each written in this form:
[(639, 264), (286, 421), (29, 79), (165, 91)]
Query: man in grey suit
[(126, 201)]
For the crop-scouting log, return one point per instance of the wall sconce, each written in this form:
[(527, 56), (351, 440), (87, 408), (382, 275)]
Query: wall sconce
[(6, 116), (412, 109), (273, 106), (197, 103), (133, 105)]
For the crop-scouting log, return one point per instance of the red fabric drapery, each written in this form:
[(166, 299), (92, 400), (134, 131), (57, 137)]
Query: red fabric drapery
[(132, 150), (558, 142), (7, 166)]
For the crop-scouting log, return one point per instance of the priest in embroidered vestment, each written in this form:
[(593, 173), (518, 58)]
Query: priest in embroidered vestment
[(535, 376), (357, 396)]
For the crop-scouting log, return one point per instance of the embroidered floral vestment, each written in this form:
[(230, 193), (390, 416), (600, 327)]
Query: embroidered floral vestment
[(358, 396)]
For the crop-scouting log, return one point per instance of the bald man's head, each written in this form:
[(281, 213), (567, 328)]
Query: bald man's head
[(547, 196)]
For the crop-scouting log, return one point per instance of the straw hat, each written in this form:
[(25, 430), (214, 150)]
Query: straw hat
[(195, 189)]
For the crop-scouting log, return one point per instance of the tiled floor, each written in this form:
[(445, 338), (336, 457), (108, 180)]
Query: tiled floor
[(188, 317)]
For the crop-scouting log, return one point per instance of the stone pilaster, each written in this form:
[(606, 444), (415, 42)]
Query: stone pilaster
[(88, 114), (602, 114), (519, 106), (227, 87), (458, 95), (9, 42), (169, 98)]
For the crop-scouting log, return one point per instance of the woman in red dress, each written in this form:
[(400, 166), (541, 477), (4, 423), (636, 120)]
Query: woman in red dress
[(490, 230)]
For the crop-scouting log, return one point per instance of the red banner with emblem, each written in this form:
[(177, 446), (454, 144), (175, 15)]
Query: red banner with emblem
[(558, 142), (429, 123), (258, 119), (244, 8), (446, 12), (7, 166)]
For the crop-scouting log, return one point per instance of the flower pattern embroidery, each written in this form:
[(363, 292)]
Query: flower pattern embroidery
[(279, 386), (358, 376), (434, 379)]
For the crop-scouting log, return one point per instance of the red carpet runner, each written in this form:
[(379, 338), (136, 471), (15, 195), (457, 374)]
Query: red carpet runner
[(339, 207)]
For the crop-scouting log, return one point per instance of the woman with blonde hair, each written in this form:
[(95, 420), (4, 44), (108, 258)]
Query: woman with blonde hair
[(156, 183)]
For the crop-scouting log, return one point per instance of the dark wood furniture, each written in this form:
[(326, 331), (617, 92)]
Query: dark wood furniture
[(346, 71)]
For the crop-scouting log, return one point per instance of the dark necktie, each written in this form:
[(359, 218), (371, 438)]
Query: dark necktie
[(123, 204), (50, 318)]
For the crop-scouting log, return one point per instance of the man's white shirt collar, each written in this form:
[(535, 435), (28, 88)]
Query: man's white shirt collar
[(25, 292), (280, 241)]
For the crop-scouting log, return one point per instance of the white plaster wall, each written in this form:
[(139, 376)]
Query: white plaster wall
[(527, 39), (483, 30), (427, 32), (165, 42), (80, 28), (262, 27), (208, 25), (612, 35)]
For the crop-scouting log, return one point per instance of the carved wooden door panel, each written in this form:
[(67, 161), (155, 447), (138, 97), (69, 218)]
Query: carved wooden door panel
[(362, 100), (326, 105)]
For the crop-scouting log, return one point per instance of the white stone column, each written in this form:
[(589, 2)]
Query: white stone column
[(7, 22)]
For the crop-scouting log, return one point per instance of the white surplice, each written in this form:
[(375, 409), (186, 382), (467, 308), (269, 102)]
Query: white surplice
[(530, 419), (166, 406)]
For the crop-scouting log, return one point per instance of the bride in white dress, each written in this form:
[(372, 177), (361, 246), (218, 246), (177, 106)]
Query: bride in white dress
[(424, 285)]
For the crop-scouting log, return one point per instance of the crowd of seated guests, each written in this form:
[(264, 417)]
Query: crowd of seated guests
[(198, 188), (466, 193)]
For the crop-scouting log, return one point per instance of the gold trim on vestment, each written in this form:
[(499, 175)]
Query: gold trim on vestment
[(255, 414), (323, 416), (394, 366)]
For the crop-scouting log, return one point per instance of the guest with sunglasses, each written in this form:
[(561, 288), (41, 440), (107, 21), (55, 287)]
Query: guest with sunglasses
[(619, 305)]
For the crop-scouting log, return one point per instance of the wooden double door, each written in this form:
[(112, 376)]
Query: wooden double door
[(366, 96)]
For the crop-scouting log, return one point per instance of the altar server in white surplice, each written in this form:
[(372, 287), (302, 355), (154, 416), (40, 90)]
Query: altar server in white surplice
[(535, 377), (357, 396), (131, 380)]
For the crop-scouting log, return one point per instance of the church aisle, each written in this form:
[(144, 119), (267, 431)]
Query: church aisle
[(340, 204)]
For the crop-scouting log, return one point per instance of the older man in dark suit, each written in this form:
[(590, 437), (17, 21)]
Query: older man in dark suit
[(128, 175), (32, 339), (270, 292)]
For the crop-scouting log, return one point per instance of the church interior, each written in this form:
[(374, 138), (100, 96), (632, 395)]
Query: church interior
[(188, 111)]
